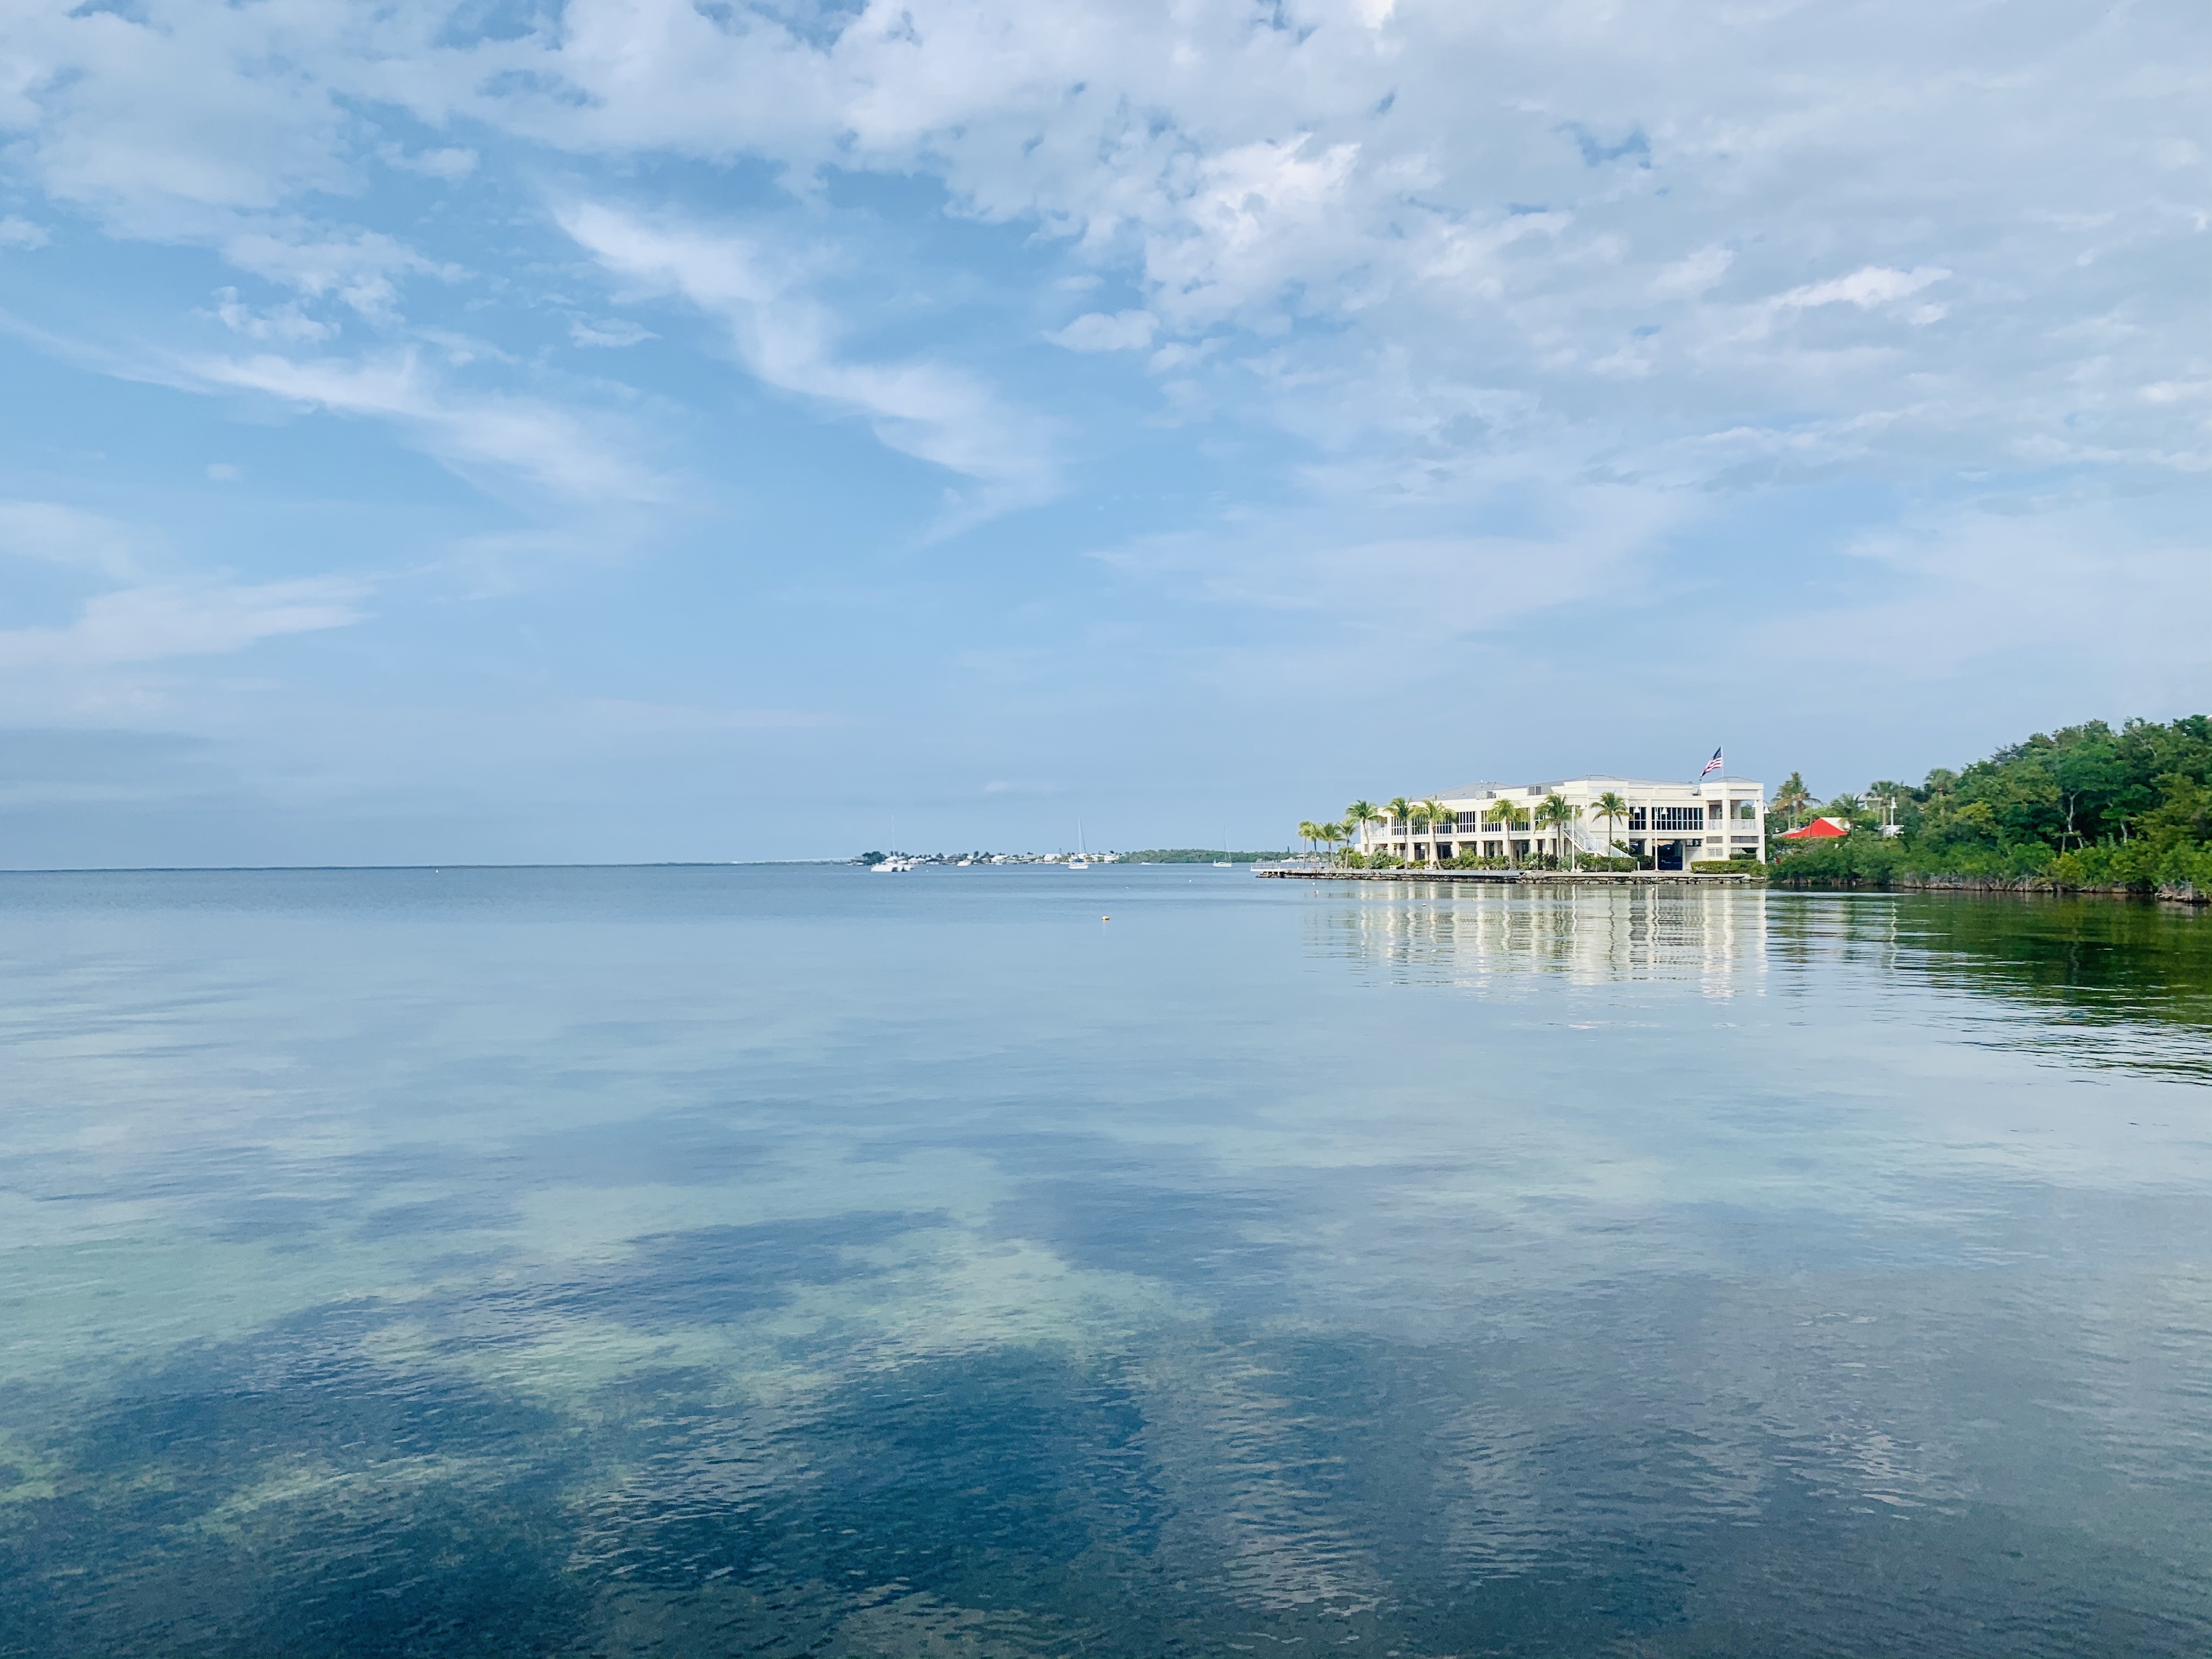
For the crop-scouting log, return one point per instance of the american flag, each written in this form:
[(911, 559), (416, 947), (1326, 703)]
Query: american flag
[(1712, 765)]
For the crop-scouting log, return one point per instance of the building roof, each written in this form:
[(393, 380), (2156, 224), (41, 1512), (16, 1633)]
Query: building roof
[(1467, 791), (1818, 829)]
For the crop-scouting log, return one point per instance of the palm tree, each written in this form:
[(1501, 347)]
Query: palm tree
[(1438, 815), (1792, 797), (1358, 815), (1417, 819), (1558, 811), (1611, 808), (1511, 818), (1516, 816), (1401, 812), (1331, 834), (1308, 832)]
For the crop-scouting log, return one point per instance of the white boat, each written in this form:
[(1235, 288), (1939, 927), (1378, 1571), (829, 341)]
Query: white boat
[(1081, 860), (1224, 864), (892, 867)]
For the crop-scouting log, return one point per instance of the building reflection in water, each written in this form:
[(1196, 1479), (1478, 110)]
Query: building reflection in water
[(1463, 934)]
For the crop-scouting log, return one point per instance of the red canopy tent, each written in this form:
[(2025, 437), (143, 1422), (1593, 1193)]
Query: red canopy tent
[(1818, 829)]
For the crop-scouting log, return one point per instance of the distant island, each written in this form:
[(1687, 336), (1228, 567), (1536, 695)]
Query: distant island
[(1149, 855), (1198, 856)]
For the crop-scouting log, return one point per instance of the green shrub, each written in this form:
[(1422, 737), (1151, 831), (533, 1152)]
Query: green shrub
[(1727, 867), (2144, 866), (1856, 861)]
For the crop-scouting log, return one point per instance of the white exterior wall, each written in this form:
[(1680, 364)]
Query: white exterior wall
[(1718, 802)]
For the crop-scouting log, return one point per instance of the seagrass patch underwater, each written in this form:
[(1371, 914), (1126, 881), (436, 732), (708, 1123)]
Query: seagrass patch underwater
[(789, 1261)]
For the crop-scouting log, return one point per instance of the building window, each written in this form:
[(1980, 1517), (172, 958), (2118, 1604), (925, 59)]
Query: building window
[(1676, 817), (1747, 809), (1714, 809), (1635, 818), (1466, 821)]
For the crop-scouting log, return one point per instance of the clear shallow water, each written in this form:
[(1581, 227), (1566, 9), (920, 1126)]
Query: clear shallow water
[(796, 1261)]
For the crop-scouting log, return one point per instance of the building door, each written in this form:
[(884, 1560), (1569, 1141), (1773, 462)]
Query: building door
[(1670, 854)]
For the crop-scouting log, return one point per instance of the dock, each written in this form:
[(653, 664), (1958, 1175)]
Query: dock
[(1515, 878)]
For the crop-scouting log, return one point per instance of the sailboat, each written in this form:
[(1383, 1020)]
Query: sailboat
[(1224, 864), (1081, 860)]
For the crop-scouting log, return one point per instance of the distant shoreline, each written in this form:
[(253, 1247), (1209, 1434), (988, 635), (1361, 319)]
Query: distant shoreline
[(1197, 856), (432, 869)]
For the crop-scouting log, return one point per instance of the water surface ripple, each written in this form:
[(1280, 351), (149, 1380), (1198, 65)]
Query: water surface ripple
[(699, 1261)]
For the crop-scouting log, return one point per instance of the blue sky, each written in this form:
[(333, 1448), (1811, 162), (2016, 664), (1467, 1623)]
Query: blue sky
[(635, 429)]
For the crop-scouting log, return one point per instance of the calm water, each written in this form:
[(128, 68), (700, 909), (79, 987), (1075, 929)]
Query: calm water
[(773, 1261)]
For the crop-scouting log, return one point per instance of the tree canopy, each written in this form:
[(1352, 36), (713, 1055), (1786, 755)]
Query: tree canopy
[(2086, 805)]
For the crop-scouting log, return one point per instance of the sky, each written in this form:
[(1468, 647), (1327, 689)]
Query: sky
[(631, 431)]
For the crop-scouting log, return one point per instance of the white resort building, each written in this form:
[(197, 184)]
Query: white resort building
[(1673, 825)]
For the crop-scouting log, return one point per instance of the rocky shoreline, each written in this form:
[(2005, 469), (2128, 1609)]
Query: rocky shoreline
[(2174, 893)]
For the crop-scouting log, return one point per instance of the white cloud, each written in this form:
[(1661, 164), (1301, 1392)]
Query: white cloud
[(1408, 578), (356, 267), (927, 409), (147, 624), (154, 119), (1670, 244), (1688, 277), (1509, 202), (553, 447), (448, 164), (1097, 330), (224, 472), (16, 231), (285, 322), (1872, 286), (1247, 222), (615, 331), (59, 534)]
